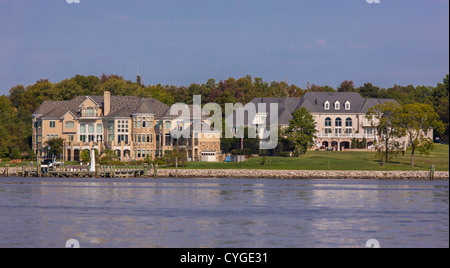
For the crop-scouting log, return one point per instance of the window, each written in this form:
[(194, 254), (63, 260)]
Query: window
[(91, 128), (337, 105), (328, 122), (348, 122), (70, 138), (122, 127), (338, 122), (111, 127), (82, 128), (338, 131), (348, 131), (99, 128), (347, 106), (328, 131), (70, 124), (82, 138), (327, 105), (168, 125), (90, 112), (52, 124)]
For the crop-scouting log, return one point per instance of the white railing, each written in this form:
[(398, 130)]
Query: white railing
[(345, 135)]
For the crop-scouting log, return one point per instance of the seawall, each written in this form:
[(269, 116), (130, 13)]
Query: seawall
[(303, 174), (286, 174)]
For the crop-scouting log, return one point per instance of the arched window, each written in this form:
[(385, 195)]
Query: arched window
[(91, 128), (337, 105), (83, 128), (348, 122), (99, 128), (328, 122), (89, 112), (327, 105), (338, 122), (347, 106)]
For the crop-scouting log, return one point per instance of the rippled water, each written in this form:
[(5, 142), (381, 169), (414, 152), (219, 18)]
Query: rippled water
[(190, 213)]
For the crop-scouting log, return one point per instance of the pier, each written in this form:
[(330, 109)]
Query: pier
[(101, 171)]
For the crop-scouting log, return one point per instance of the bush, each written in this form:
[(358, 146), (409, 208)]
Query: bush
[(15, 153), (4, 152)]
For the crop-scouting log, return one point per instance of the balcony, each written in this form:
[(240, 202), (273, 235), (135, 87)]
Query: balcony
[(90, 114), (345, 135)]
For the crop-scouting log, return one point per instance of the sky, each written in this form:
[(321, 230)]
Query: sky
[(179, 42)]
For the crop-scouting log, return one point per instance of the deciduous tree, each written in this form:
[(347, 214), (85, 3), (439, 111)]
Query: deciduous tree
[(302, 131)]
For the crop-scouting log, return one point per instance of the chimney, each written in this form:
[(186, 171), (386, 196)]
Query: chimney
[(106, 103)]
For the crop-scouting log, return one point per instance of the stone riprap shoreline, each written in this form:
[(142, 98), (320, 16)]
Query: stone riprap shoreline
[(286, 174), (303, 174)]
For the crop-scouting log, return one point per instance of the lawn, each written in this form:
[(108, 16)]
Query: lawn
[(329, 161), (339, 161)]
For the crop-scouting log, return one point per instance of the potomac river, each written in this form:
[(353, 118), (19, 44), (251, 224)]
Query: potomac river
[(223, 213)]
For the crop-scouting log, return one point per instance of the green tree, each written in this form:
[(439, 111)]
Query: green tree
[(386, 119), (363, 144), (347, 86), (15, 153), (302, 131), (56, 146), (4, 152), (177, 154), (109, 155), (417, 120), (369, 91), (85, 156)]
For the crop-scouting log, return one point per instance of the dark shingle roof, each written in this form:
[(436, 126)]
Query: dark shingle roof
[(121, 106), (314, 102)]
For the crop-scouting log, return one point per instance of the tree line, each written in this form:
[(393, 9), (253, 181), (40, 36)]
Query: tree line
[(17, 107)]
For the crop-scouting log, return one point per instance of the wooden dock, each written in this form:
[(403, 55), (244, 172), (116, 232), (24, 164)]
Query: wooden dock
[(107, 171)]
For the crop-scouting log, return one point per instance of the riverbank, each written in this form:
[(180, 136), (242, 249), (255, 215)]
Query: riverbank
[(303, 174), (284, 174)]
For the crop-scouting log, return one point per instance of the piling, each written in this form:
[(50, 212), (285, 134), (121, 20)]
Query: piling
[(432, 172)]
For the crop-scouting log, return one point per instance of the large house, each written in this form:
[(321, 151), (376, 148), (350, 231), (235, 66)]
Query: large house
[(131, 126), (340, 117)]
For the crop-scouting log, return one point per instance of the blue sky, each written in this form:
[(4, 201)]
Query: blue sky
[(180, 42)]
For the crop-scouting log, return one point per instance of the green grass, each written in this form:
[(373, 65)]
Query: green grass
[(338, 161), (323, 160)]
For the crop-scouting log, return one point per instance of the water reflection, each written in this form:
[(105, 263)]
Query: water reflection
[(222, 213)]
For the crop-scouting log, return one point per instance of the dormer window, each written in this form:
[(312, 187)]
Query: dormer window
[(337, 105), (89, 112), (327, 105), (347, 106)]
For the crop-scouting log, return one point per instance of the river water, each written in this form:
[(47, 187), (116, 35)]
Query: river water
[(223, 213)]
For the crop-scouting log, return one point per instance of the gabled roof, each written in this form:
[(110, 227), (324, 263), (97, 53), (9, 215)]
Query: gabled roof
[(48, 106), (121, 106)]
